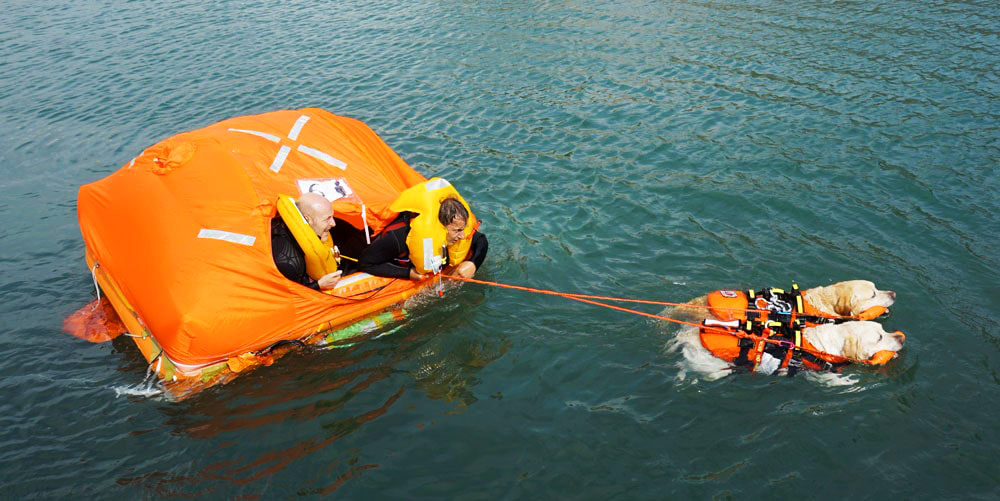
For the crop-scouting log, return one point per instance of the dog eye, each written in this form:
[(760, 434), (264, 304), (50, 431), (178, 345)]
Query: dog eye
[(880, 338)]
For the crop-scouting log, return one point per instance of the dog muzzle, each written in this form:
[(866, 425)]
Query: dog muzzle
[(883, 357)]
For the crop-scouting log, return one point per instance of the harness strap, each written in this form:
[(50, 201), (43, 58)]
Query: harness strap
[(790, 353), (759, 350), (781, 341), (743, 360)]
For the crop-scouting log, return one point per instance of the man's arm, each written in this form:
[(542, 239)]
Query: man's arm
[(290, 261), (480, 246), (477, 254), (379, 258)]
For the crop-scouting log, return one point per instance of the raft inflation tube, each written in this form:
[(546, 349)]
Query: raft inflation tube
[(179, 241), (428, 238), (320, 256)]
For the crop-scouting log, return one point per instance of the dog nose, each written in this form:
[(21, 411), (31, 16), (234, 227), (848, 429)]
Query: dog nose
[(892, 295), (900, 336)]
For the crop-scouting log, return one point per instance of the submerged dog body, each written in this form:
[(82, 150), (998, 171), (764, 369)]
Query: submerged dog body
[(715, 352)]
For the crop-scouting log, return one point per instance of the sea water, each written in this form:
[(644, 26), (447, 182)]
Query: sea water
[(651, 150)]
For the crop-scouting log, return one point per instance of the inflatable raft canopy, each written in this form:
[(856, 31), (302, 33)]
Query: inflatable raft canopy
[(179, 238)]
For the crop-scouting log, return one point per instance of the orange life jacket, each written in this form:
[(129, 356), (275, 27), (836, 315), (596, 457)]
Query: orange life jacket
[(768, 347), (776, 304)]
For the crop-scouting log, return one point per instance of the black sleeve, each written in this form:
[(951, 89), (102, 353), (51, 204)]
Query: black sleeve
[(290, 260), (351, 242), (480, 246), (379, 258)]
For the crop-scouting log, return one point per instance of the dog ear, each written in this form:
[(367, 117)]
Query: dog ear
[(851, 347), (843, 298)]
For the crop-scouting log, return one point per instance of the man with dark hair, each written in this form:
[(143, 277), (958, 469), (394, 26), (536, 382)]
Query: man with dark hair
[(451, 209), (388, 255)]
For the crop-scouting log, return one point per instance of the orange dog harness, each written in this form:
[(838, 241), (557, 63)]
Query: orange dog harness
[(766, 347)]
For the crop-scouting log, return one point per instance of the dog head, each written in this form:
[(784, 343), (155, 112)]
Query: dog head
[(857, 340), (850, 298)]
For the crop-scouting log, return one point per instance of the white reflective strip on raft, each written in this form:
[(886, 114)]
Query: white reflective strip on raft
[(436, 184), (269, 137), (364, 218), (324, 157), (279, 159), (350, 279), (294, 134), (429, 254), (228, 236)]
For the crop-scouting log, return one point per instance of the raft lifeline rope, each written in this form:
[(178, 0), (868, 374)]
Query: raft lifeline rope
[(588, 299), (93, 274)]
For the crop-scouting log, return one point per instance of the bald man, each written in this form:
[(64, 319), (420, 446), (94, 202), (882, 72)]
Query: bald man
[(288, 256)]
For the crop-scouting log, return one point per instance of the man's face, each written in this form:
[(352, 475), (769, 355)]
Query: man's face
[(456, 230), (320, 219)]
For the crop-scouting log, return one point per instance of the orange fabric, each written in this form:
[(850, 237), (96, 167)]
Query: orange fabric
[(812, 311), (203, 299), (96, 322), (882, 357), (873, 313), (722, 343), (728, 305)]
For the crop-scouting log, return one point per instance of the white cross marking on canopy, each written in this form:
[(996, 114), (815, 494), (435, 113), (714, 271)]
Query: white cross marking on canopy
[(293, 135)]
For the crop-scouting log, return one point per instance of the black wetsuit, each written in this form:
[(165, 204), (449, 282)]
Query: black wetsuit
[(291, 260), (388, 255)]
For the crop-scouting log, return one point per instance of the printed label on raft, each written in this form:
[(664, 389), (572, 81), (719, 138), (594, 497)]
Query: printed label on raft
[(332, 189)]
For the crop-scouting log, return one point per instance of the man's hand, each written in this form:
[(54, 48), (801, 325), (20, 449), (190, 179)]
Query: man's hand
[(329, 280), (465, 269)]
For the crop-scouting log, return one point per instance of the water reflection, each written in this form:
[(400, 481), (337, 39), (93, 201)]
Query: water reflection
[(312, 398)]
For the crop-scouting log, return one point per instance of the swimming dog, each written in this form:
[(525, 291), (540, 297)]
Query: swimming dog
[(778, 332), (852, 298)]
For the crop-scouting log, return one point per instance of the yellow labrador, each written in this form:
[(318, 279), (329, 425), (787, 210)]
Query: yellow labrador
[(849, 299)]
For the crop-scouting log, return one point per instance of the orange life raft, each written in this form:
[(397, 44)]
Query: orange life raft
[(179, 240)]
